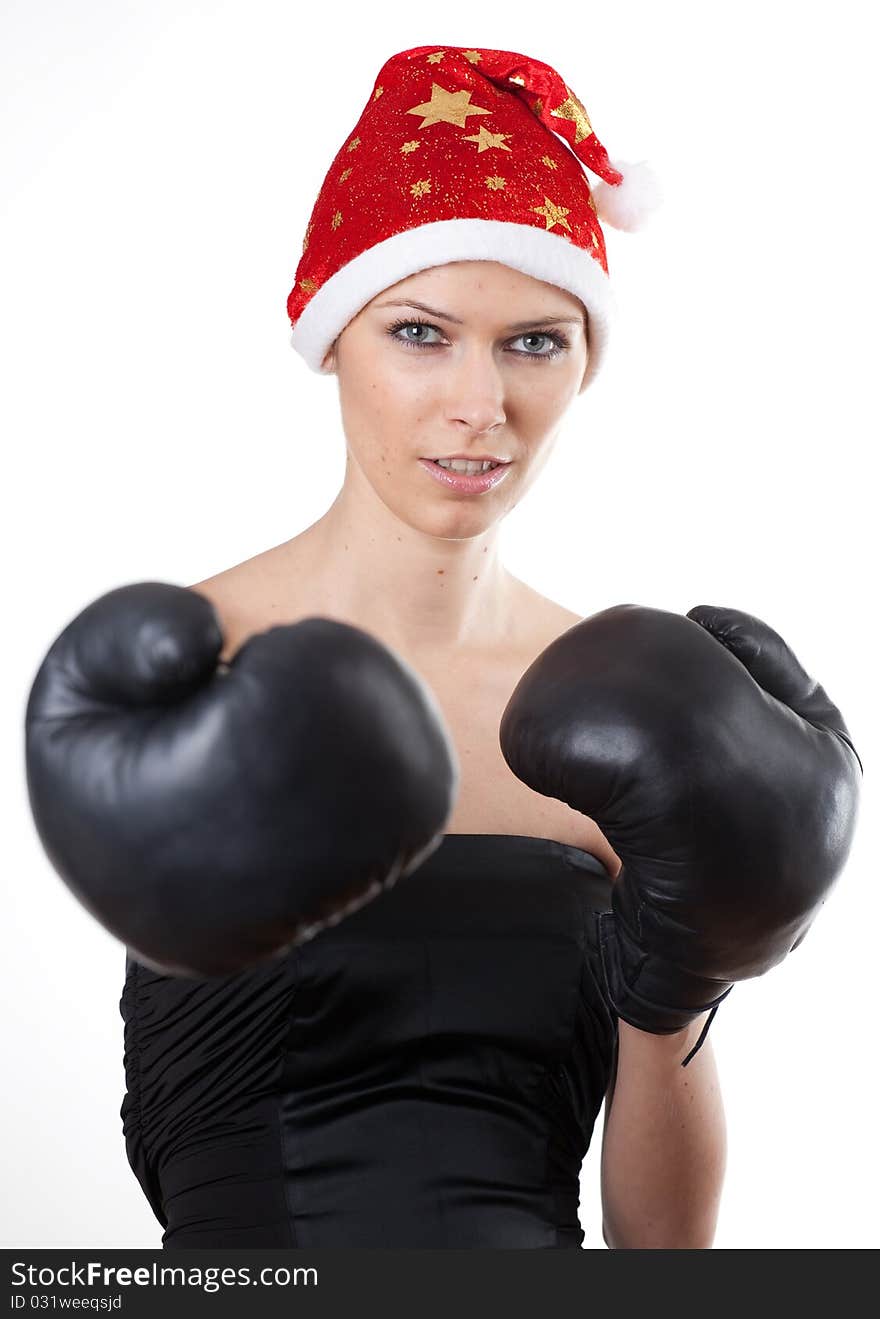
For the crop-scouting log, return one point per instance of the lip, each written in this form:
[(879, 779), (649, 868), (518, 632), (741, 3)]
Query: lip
[(463, 484)]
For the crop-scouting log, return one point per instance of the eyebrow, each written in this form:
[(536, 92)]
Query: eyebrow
[(520, 325)]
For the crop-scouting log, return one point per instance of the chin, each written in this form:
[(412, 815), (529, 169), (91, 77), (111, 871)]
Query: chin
[(461, 523), (446, 520)]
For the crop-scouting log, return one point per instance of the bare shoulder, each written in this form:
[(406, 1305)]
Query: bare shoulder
[(546, 619), (240, 599), (242, 579), (227, 587)]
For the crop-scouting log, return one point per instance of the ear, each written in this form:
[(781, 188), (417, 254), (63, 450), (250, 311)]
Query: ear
[(329, 362)]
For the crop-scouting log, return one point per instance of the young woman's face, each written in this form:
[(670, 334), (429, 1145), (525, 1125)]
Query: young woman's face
[(488, 371)]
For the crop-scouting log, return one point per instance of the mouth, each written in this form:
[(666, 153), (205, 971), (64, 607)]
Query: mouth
[(470, 464), (467, 476)]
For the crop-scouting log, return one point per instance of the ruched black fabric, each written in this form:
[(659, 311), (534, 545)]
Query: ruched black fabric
[(425, 1074)]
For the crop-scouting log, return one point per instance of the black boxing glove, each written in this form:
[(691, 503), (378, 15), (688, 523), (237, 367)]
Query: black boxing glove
[(211, 816), (723, 777)]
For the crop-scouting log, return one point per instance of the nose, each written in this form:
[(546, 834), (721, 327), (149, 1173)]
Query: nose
[(476, 391)]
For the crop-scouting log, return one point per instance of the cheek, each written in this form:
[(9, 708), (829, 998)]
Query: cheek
[(383, 416), (543, 404), (541, 438)]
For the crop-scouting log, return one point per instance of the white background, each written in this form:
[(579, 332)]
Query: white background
[(160, 162)]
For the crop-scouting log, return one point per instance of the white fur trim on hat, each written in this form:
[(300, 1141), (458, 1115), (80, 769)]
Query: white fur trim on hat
[(536, 252)]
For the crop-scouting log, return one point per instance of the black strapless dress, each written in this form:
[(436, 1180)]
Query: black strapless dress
[(425, 1074)]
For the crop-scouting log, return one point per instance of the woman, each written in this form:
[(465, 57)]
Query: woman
[(648, 807), (428, 1072)]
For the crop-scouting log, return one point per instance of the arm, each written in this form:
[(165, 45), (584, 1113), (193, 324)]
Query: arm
[(726, 782), (664, 1143)]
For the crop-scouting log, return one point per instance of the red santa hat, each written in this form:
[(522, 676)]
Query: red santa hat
[(464, 155)]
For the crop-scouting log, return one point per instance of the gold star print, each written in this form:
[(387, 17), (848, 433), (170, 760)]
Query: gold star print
[(310, 226), (573, 110), (553, 214), (595, 240), (436, 57), (377, 93), (344, 175), (337, 220), (446, 108), (590, 199), (421, 187), (495, 182), (410, 146), (549, 162), (354, 144), (308, 286), (484, 139), (472, 56)]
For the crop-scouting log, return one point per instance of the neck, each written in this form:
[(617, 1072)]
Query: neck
[(417, 592)]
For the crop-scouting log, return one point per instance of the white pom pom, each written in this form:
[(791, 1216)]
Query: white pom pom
[(629, 204)]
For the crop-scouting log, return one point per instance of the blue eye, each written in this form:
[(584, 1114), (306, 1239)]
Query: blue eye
[(411, 325), (559, 341)]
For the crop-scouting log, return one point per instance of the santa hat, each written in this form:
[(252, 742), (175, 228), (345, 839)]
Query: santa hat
[(464, 155)]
